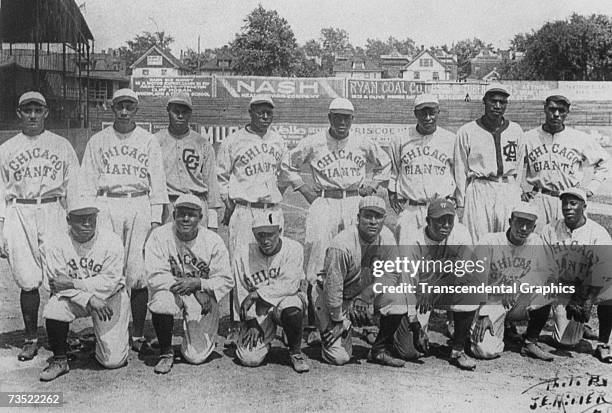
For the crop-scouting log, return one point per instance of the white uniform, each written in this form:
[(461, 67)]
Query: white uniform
[(486, 169), (190, 164), (338, 168), (555, 162), (96, 267), (421, 170), (126, 172), (33, 169), (276, 279), (167, 258)]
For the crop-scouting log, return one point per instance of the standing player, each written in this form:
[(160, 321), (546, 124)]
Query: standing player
[(556, 156), (35, 167), (189, 161), (421, 167), (268, 275), (488, 156), (188, 273), (123, 166), (85, 270)]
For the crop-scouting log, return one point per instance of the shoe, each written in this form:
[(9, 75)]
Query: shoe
[(511, 333), (299, 363), (383, 357), (314, 338), (420, 340), (29, 350), (57, 367), (461, 360), (142, 346), (603, 353), (589, 334), (164, 364), (533, 350)]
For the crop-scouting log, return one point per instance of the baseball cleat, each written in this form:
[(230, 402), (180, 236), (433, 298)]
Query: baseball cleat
[(589, 334), (511, 333), (299, 362), (142, 346), (164, 364), (314, 338), (57, 367), (29, 350), (461, 360), (533, 350), (603, 353), (383, 357)]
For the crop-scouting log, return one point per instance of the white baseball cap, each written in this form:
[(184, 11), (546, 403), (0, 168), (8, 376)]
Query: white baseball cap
[(125, 94), (257, 99), (81, 205), (576, 192), (188, 201), (497, 88), (268, 222), (342, 106), (32, 96), (181, 99), (525, 210), (373, 203), (426, 101)]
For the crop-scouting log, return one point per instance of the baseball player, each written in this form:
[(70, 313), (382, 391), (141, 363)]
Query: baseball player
[(189, 161), (513, 257), (421, 166), (123, 166), (188, 273), (268, 275), (85, 270), (345, 286), (556, 155), (489, 154), (36, 167)]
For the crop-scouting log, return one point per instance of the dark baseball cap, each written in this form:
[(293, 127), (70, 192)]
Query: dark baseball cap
[(440, 207)]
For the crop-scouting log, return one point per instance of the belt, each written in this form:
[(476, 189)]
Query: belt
[(416, 203), (510, 178), (128, 195), (261, 205), (201, 195), (337, 193), (35, 201), (548, 192)]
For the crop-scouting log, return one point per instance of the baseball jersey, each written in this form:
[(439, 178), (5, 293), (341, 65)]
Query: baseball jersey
[(273, 277), (347, 268), (250, 167), (35, 166), (96, 266), (125, 163), (480, 153), (422, 165), (190, 164), (555, 161), (340, 163), (206, 257)]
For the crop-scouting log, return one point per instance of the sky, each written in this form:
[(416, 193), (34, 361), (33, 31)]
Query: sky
[(428, 22)]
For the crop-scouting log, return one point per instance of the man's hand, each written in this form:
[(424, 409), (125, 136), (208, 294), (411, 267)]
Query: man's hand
[(358, 313), (480, 328), (366, 190), (248, 303), (589, 193), (397, 204), (424, 303), (333, 333), (229, 210), (186, 286), (206, 301), (60, 282), (527, 196), (100, 308), (308, 193), (3, 246), (252, 336), (509, 300)]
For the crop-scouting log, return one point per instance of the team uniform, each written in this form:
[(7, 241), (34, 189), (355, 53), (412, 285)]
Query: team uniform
[(276, 279), (96, 268), (167, 258), (35, 174), (338, 168), (555, 163), (190, 166), (486, 168), (421, 170), (126, 173)]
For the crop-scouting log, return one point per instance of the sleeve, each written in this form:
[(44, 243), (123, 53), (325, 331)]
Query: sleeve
[(460, 157), (209, 172), (599, 158), (71, 172), (106, 283), (90, 171), (288, 282), (295, 158), (221, 280), (224, 167), (286, 175), (4, 179), (157, 179), (599, 273), (381, 161), (335, 267), (396, 164), (157, 266)]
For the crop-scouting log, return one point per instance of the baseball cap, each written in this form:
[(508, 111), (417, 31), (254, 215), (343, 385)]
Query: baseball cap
[(81, 205), (261, 99), (181, 99), (576, 192), (32, 96), (341, 105), (557, 97), (525, 210), (440, 207), (125, 94), (497, 88), (188, 201), (373, 203), (426, 101), (270, 221)]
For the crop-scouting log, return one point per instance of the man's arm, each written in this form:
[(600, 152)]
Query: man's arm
[(460, 160), (600, 160), (335, 267), (220, 280), (157, 181)]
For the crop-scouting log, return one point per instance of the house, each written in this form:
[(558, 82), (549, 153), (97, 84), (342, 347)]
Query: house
[(449, 60), (218, 65), (158, 62), (393, 63), (484, 63), (425, 66), (357, 68)]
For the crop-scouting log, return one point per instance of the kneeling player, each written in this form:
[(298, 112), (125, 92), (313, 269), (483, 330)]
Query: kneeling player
[(85, 270), (188, 273), (269, 274)]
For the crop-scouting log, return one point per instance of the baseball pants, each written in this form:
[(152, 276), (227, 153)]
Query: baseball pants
[(26, 227), (268, 318), (112, 337), (488, 205), (209, 220), (549, 210)]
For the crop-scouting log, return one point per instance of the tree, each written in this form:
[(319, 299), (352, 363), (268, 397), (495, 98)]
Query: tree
[(334, 43), (375, 47), (266, 45), (143, 42), (466, 50)]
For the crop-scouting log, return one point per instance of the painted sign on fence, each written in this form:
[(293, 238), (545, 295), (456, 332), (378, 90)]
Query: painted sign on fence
[(385, 89), (277, 87), (195, 86)]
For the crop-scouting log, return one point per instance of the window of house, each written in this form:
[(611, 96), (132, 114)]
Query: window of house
[(425, 62), (436, 76), (145, 72), (417, 75)]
